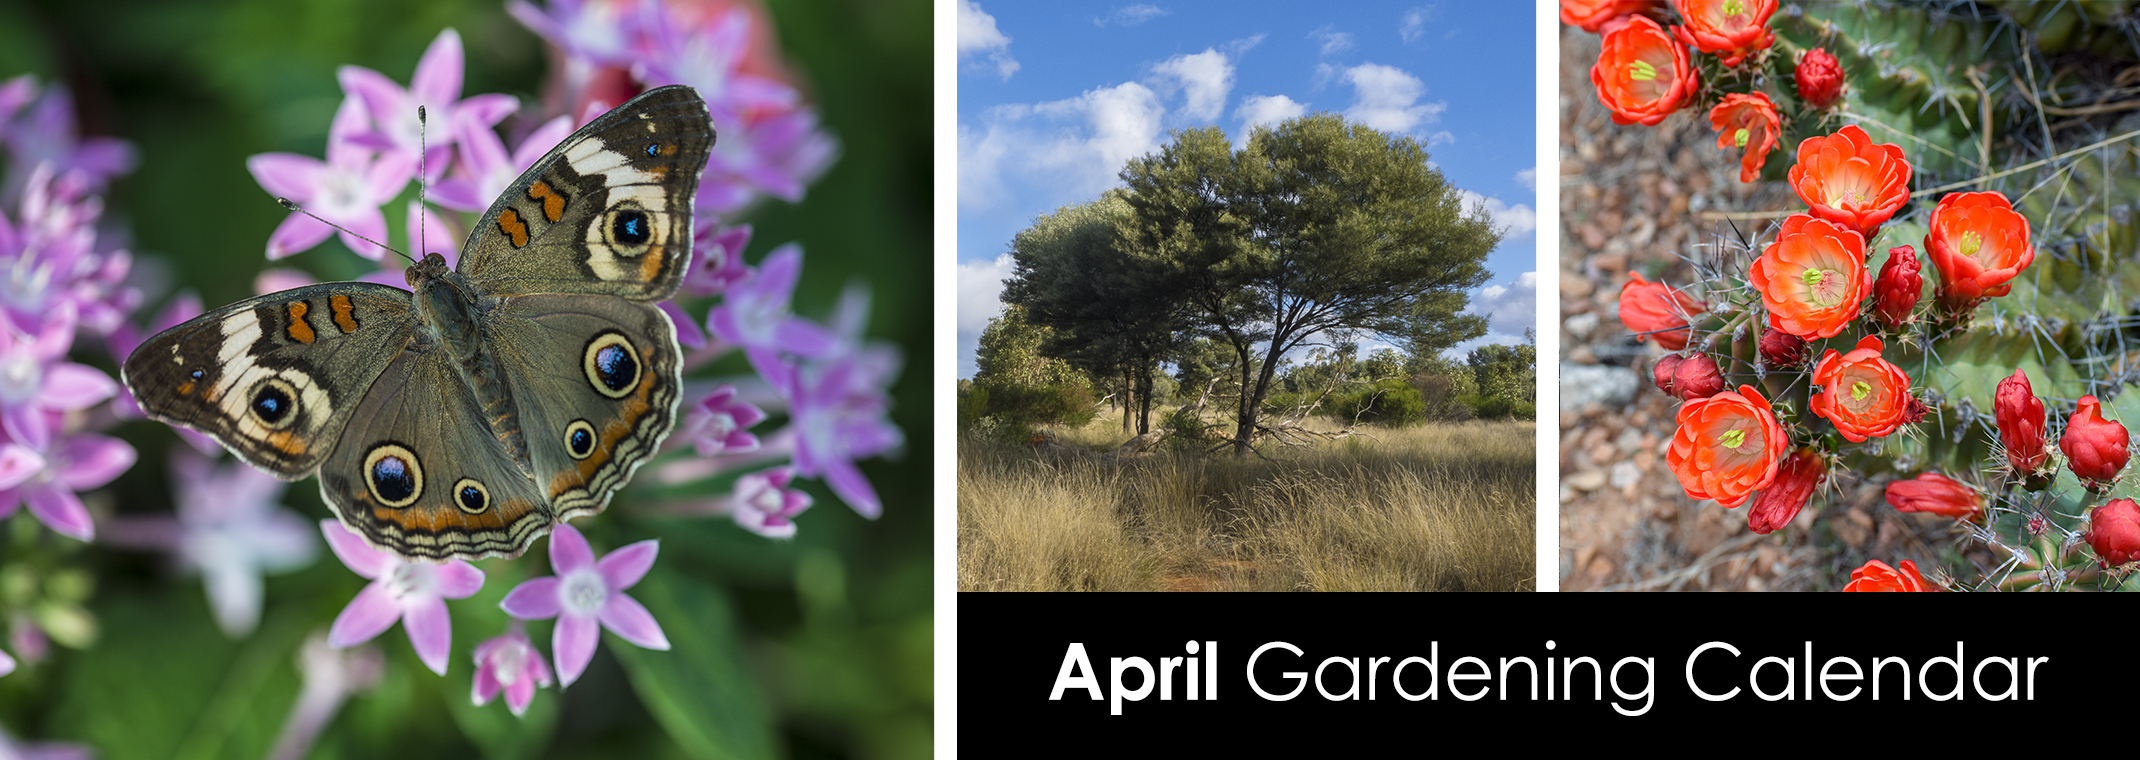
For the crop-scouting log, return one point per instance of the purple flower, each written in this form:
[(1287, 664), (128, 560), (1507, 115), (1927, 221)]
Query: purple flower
[(509, 663), (585, 592), (347, 189), (79, 463), (717, 257), (776, 154), (721, 423), (838, 407), (436, 87), (47, 135), (233, 529), (411, 592), (765, 503), (600, 32), (49, 253), (36, 379), (709, 57), (485, 167), (754, 314)]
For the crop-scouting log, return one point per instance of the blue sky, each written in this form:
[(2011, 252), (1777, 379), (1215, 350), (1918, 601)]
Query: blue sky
[(1054, 97)]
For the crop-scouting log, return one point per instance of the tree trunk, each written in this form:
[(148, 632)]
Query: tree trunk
[(1129, 402), (1245, 419), (1144, 411)]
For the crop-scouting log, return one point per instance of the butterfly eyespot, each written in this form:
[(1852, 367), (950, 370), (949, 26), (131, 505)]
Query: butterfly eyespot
[(273, 403), (612, 365), (579, 439), (630, 227), (471, 496), (196, 374), (653, 150), (393, 474)]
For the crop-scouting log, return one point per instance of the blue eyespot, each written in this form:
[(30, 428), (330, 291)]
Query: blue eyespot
[(579, 439), (393, 479), (616, 367), (273, 401), (612, 367), (630, 227), (653, 150), (471, 496)]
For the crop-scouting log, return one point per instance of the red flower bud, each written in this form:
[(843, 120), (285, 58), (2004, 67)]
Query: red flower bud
[(1936, 494), (1688, 377), (2021, 423), (1796, 478), (1655, 308), (2095, 447), (1878, 576), (1896, 292), (1820, 78), (2114, 532), (1914, 410), (1781, 349)]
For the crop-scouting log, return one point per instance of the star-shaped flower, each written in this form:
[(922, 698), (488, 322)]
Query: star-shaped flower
[(585, 593), (414, 593)]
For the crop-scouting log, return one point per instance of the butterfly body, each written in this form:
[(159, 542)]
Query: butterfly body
[(464, 417)]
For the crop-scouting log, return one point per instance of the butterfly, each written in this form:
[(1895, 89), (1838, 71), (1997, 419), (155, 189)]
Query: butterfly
[(499, 398)]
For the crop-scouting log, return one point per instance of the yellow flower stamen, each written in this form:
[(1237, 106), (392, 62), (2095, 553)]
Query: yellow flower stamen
[(1811, 277), (1740, 136), (1859, 390), (1734, 7), (1971, 243), (1642, 71), (1734, 439)]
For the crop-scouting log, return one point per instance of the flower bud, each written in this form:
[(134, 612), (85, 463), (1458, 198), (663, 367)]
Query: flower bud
[(1688, 377), (2095, 447), (1782, 350), (2021, 423), (1653, 310), (1936, 494), (2114, 532), (1796, 478), (1878, 576), (1661, 372), (1896, 292), (1820, 78)]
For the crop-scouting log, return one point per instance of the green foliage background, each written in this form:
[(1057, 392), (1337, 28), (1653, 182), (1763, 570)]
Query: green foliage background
[(817, 647)]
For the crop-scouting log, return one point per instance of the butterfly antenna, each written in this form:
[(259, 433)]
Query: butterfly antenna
[(292, 205), (423, 178)]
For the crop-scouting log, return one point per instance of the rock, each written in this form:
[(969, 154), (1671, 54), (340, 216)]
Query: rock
[(1587, 480), (1575, 286), (1625, 475), (1604, 384)]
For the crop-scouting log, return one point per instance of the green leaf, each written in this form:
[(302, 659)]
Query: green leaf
[(699, 689)]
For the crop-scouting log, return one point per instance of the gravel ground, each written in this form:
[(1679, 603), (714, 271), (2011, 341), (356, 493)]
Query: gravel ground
[(1632, 198)]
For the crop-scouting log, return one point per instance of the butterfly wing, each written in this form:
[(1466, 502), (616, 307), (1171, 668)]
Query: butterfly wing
[(419, 472), (595, 382), (274, 378), (608, 211)]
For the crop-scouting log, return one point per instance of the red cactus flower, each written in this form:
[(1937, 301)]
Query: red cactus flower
[(1654, 310), (1779, 503), (1812, 278), (1978, 243), (1820, 78), (1642, 74), (1896, 291), (1782, 350), (2096, 448), (1599, 16), (1850, 180), (1727, 446), (1729, 29), (2114, 532), (1749, 122), (1878, 576), (2021, 423), (1860, 392), (1936, 494)]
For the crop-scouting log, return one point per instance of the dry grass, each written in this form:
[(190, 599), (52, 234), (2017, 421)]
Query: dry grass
[(1429, 508)]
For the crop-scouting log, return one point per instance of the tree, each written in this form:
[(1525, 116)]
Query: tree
[(1101, 305), (1314, 228)]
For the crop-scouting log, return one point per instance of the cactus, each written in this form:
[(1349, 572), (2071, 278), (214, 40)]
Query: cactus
[(1996, 96)]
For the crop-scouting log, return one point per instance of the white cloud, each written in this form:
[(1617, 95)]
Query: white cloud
[(1130, 16), (1529, 178), (1265, 111), (1414, 24), (1386, 98), (980, 284), (1333, 41), (1204, 78), (1073, 147), (1440, 138), (1514, 221), (978, 33), (1511, 307)]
